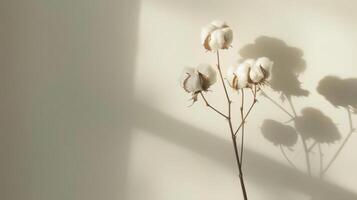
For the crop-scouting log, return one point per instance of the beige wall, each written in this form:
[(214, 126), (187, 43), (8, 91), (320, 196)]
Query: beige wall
[(91, 107)]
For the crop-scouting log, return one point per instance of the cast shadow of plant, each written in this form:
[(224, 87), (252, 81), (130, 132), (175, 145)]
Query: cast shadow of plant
[(288, 64), (339, 92), (315, 129)]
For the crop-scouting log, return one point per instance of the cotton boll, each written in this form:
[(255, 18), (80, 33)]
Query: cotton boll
[(256, 74), (190, 80), (186, 72), (265, 64), (242, 74), (205, 35), (260, 71), (193, 83), (232, 77), (228, 36), (251, 72), (217, 40), (208, 75), (217, 35)]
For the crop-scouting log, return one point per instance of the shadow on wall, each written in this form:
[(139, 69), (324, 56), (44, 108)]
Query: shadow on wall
[(288, 64), (339, 92), (313, 127), (262, 171), (65, 130)]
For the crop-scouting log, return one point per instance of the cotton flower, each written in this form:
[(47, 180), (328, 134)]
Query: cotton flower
[(207, 74), (190, 80), (260, 70), (237, 75), (195, 80), (242, 73), (217, 35)]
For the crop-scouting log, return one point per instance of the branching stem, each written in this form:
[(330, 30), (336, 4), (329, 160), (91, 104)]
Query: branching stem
[(303, 140), (234, 140), (250, 109), (242, 137), (286, 157), (277, 104), (213, 108), (343, 143)]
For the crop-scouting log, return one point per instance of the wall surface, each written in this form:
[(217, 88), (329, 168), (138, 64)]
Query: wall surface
[(91, 107)]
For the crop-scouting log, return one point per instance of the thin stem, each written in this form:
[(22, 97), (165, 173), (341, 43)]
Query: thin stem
[(277, 104), (286, 157), (343, 143), (242, 117), (321, 160), (292, 106), (250, 109), (239, 167), (311, 147), (234, 140), (307, 157), (224, 85), (213, 108)]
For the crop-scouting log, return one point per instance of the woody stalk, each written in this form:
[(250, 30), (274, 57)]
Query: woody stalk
[(247, 75)]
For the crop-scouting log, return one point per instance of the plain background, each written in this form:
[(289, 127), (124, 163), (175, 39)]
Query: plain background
[(91, 107)]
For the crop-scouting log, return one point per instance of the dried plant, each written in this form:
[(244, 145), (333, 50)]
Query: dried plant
[(246, 75)]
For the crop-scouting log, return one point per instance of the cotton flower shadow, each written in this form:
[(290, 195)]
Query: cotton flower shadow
[(278, 133), (313, 124), (339, 92), (288, 64)]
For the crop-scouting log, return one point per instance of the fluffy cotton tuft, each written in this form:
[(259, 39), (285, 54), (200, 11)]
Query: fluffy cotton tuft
[(190, 80), (249, 72), (242, 74), (260, 71), (256, 74), (208, 75), (265, 63), (238, 74), (194, 80), (217, 35), (205, 34)]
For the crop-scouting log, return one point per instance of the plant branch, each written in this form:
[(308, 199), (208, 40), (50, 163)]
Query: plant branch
[(242, 137), (343, 143), (321, 160), (234, 141), (307, 156), (224, 85), (250, 109), (213, 108), (311, 147), (286, 157), (277, 104)]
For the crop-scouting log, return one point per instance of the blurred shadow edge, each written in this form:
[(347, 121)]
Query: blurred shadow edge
[(259, 169)]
